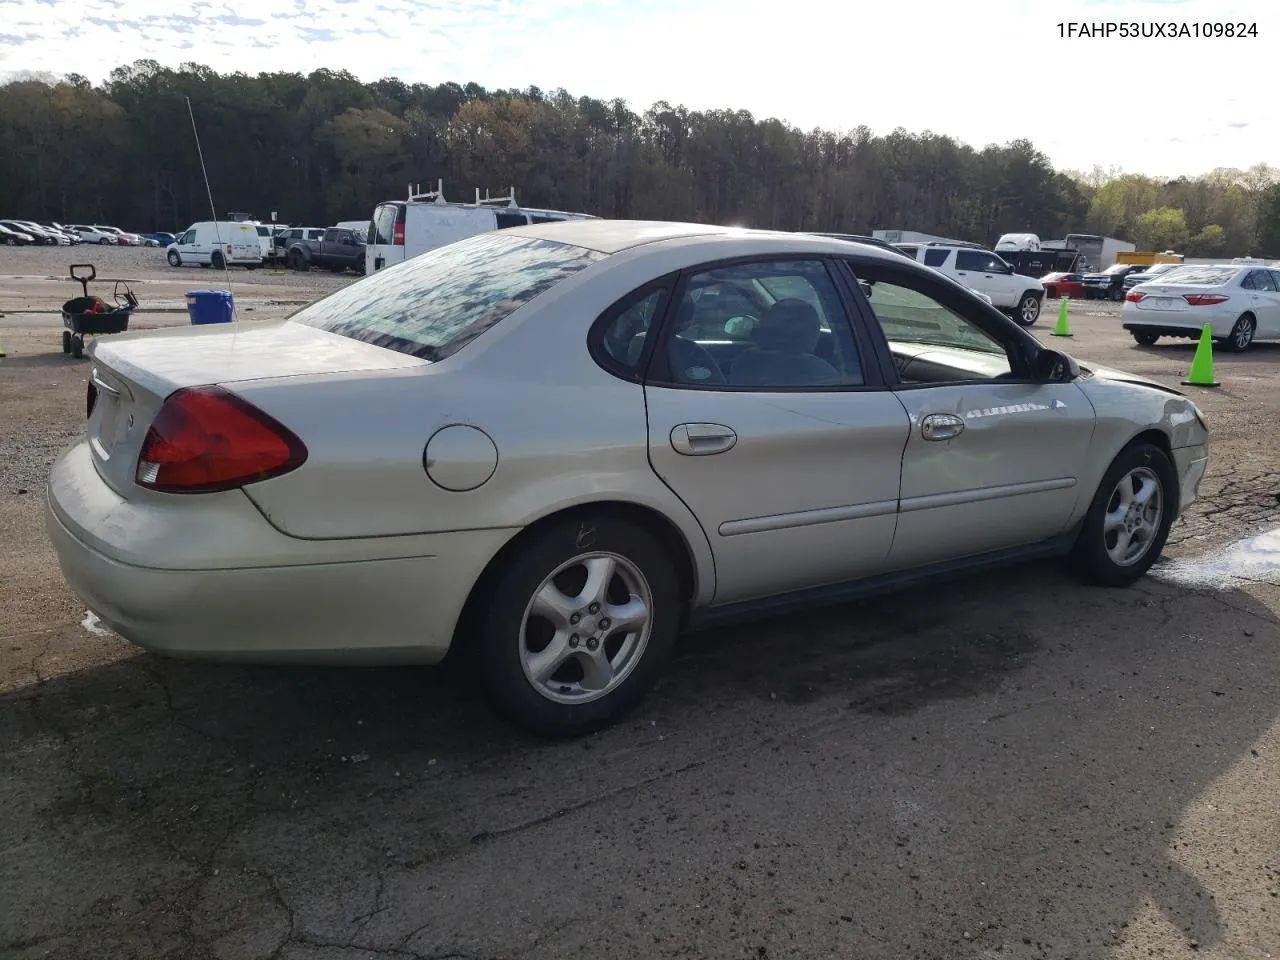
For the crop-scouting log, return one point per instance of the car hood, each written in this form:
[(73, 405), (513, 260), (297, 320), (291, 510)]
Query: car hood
[(1121, 376)]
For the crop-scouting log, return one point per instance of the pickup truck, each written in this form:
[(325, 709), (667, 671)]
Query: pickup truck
[(338, 250)]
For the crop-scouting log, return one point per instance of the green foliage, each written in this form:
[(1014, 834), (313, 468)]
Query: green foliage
[(1164, 228), (327, 147), (1269, 222)]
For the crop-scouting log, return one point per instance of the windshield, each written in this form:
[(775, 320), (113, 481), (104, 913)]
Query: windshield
[(1200, 276), (1118, 268), (432, 305)]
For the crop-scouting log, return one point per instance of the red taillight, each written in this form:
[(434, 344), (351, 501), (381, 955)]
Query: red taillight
[(91, 397), (1133, 297), (397, 235), (206, 439), (1203, 299)]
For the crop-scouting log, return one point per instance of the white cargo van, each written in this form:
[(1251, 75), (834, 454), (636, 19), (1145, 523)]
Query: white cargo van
[(230, 243), (401, 229)]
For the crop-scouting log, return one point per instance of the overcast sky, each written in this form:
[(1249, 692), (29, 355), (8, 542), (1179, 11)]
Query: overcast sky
[(983, 72)]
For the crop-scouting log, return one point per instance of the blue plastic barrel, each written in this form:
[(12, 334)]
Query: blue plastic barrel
[(209, 306)]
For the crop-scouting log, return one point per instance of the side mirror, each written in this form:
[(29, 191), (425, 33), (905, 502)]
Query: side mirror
[(865, 287), (1050, 366)]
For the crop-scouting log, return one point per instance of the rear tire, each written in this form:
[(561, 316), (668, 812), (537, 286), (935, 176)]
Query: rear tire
[(1241, 337), (218, 262), (77, 347), (1145, 339), (585, 687), (66, 341), (1128, 521)]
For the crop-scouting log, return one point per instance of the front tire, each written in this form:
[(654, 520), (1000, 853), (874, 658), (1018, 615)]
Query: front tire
[(174, 259), (577, 626), (1028, 310), (1129, 519)]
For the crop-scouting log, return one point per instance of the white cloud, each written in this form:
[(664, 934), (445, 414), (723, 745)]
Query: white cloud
[(988, 72)]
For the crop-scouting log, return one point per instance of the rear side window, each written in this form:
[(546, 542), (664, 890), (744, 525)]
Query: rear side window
[(434, 304), (936, 258), (621, 333), (264, 232)]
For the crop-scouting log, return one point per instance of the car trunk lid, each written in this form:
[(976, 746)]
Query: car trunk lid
[(132, 374)]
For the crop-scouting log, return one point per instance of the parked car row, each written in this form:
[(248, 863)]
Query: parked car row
[(21, 233), (226, 243)]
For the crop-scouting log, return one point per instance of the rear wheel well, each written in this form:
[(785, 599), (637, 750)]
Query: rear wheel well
[(672, 540)]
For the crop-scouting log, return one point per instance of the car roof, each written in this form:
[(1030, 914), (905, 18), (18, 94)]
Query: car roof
[(614, 236)]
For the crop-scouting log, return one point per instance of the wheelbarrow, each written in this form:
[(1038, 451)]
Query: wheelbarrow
[(92, 316)]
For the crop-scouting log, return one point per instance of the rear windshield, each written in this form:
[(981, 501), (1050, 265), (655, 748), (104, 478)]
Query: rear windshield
[(1199, 276), (432, 305)]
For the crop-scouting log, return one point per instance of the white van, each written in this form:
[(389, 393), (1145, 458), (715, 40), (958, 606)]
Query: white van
[(227, 242), (401, 229)]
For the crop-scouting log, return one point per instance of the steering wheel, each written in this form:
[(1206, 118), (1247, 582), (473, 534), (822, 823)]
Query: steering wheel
[(741, 325)]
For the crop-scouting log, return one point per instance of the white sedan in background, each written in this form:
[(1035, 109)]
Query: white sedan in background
[(1241, 302)]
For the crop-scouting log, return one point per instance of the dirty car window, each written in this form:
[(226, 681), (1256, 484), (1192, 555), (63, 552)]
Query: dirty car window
[(432, 305)]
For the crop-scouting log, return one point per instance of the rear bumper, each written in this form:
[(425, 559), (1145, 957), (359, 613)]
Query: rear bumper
[(393, 600), (1167, 326)]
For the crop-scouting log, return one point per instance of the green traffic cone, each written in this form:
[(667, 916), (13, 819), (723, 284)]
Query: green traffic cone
[(1201, 372), (1062, 329)]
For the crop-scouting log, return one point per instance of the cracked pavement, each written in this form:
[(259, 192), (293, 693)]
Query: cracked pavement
[(1011, 765)]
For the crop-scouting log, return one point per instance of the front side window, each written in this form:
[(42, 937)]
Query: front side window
[(977, 261), (432, 305), (931, 342), (188, 237), (773, 325)]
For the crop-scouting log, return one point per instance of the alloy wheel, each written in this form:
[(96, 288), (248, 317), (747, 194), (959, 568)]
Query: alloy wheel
[(1132, 518), (586, 628)]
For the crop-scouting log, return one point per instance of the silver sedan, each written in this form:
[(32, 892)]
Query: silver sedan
[(557, 447)]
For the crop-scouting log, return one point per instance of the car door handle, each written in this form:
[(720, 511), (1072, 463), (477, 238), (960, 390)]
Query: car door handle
[(702, 439), (941, 426)]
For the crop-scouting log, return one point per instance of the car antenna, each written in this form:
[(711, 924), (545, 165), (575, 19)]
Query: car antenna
[(217, 236)]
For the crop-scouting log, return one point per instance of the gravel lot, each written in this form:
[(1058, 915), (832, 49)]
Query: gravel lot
[(1012, 766)]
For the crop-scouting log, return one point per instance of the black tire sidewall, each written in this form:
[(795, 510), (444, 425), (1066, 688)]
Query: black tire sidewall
[(496, 653), (1146, 339), (1090, 554)]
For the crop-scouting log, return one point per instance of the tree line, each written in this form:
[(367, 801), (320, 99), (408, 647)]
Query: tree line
[(326, 147)]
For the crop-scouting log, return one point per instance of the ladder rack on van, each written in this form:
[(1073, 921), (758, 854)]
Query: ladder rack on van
[(436, 196)]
